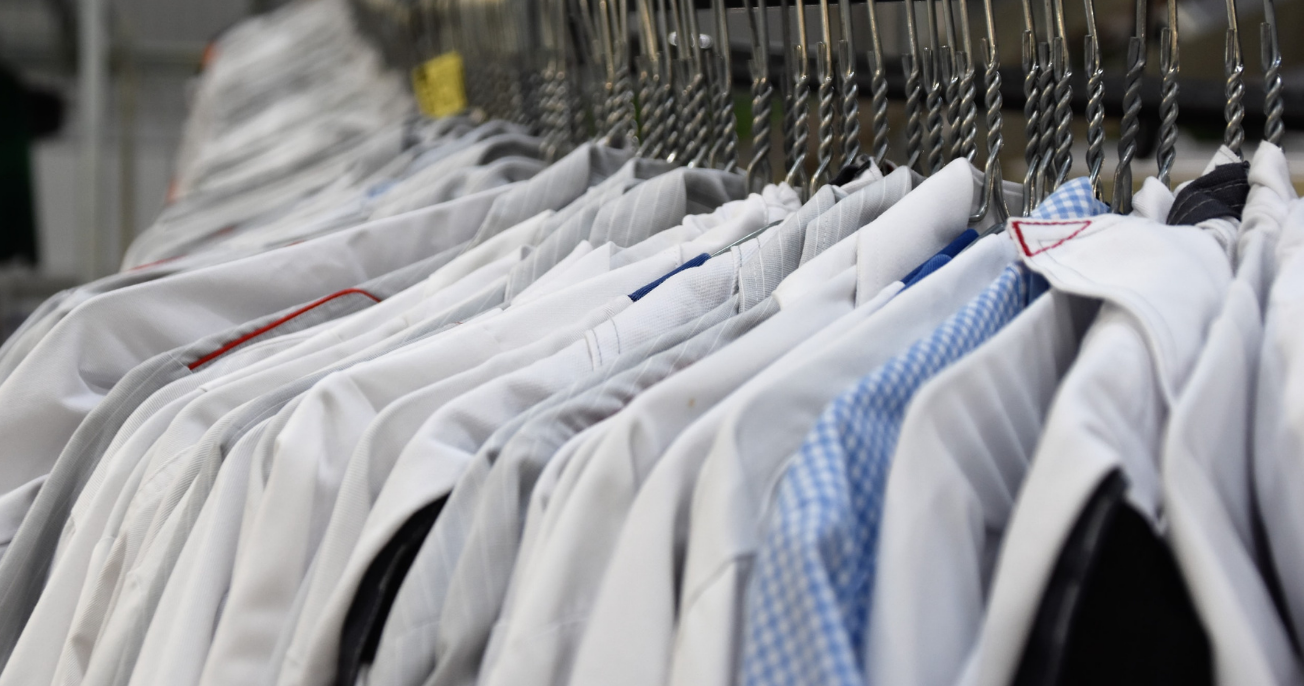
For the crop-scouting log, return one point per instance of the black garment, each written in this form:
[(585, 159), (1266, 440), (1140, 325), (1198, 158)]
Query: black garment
[(376, 592), (1220, 193), (1116, 610), (855, 168)]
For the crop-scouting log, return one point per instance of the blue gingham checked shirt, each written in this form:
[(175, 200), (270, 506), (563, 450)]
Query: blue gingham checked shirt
[(1072, 200), (808, 600)]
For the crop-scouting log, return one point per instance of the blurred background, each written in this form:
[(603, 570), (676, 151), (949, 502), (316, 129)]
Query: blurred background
[(61, 224), (93, 97)]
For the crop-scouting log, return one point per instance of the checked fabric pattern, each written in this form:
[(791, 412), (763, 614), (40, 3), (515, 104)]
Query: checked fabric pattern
[(808, 602), (1071, 200)]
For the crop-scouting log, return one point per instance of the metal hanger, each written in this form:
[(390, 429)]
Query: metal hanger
[(993, 187), (758, 167), (1046, 107), (785, 83), (1234, 67), (800, 79), (724, 154), (933, 90), (824, 72), (1095, 102), (966, 141), (1271, 53), (912, 64), (650, 78), (1170, 65), (1031, 107), (701, 124), (949, 75), (1136, 64), (878, 86), (850, 113), (1062, 64)]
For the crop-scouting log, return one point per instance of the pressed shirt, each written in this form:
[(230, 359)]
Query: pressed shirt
[(559, 582), (762, 431), (390, 374), (1162, 287), (963, 449), (318, 636), (808, 599)]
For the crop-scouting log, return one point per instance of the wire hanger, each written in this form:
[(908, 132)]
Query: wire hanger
[(1136, 64), (1170, 65), (933, 90), (1271, 54), (1031, 107), (878, 86), (799, 104), (993, 196), (850, 92), (758, 167), (824, 72), (724, 154), (912, 63), (1095, 156), (1234, 68)]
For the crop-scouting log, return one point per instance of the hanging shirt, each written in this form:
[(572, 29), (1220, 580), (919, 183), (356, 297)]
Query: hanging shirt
[(559, 582), (325, 395), (767, 267), (807, 601), (175, 452), (1161, 287), (694, 287), (698, 293), (80, 457), (161, 315), (708, 635), (953, 480), (1277, 437), (1206, 459)]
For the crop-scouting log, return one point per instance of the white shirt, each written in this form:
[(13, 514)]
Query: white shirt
[(482, 410), (73, 366), (621, 639), (1162, 287), (557, 585), (386, 378), (760, 433), (1280, 392), (1207, 485), (965, 444), (181, 629), (174, 452), (119, 472)]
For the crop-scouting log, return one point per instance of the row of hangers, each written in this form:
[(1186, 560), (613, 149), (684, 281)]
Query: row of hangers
[(573, 69)]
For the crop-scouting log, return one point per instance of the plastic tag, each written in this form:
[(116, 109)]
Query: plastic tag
[(438, 85)]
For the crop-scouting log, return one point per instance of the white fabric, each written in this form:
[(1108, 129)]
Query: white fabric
[(119, 472), (1278, 431), (758, 436), (182, 627), (74, 365), (446, 436), (173, 452), (1207, 488), (627, 635), (557, 585), (376, 382), (1162, 287), (965, 444)]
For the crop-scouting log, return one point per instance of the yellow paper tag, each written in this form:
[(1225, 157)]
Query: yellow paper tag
[(438, 85)]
